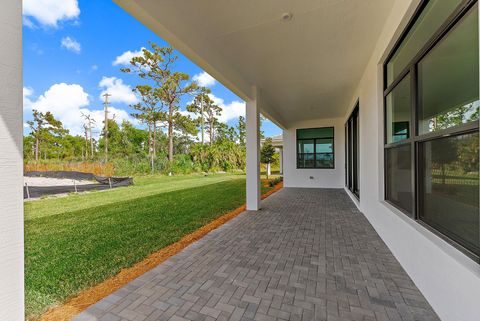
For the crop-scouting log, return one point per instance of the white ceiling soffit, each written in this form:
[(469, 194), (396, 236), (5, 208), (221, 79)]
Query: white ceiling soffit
[(306, 68)]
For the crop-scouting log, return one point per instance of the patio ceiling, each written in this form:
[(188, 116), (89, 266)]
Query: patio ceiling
[(305, 68)]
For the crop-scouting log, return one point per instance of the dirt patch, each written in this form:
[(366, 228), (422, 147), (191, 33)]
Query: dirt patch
[(47, 181), (92, 295)]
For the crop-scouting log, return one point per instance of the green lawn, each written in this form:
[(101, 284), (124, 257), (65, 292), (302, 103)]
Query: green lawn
[(75, 242), (144, 186)]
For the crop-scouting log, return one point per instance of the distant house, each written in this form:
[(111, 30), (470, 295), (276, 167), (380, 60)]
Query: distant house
[(277, 142)]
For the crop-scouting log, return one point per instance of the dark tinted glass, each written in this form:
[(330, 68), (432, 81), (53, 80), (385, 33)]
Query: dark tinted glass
[(399, 111), (324, 145), (399, 176), (431, 18), (449, 190), (315, 148), (324, 153), (305, 146), (306, 153), (326, 132), (448, 78), (305, 160)]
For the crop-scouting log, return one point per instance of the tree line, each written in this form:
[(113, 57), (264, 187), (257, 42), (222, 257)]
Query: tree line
[(167, 141)]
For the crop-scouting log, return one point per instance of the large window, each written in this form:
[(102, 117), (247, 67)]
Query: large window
[(315, 148), (431, 122), (352, 151)]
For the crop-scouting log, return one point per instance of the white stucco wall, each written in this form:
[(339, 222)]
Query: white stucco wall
[(321, 177), (449, 280), (11, 172)]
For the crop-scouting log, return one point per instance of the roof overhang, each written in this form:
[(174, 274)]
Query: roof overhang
[(307, 67)]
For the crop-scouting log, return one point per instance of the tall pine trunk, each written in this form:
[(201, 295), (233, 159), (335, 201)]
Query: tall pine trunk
[(150, 147), (170, 133), (91, 142), (155, 139), (37, 143), (211, 133), (86, 144), (202, 122), (154, 145)]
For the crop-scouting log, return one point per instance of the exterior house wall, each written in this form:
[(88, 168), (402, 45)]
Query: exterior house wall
[(449, 279), (11, 164), (315, 177)]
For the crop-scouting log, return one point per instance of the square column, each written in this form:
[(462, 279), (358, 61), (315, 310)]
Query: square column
[(11, 162), (280, 151), (252, 120)]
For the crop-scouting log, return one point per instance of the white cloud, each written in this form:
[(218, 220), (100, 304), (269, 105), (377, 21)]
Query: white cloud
[(204, 79), (27, 102), (67, 102), (124, 59), (28, 23), (120, 92), (231, 110), (71, 44), (64, 101), (50, 12), (119, 115)]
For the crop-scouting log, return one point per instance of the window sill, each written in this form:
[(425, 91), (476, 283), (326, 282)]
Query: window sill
[(316, 167), (463, 256)]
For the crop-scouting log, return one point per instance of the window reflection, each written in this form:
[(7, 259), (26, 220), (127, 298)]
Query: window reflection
[(315, 148), (399, 177), (399, 111), (427, 23), (450, 187), (448, 79)]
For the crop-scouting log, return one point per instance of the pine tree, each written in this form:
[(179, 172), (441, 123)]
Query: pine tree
[(198, 107), (150, 111), (156, 65), (241, 130), (45, 129)]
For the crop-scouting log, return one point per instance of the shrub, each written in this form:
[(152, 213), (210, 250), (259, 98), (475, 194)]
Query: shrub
[(275, 181)]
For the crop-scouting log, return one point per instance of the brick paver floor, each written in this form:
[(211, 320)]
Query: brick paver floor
[(309, 254)]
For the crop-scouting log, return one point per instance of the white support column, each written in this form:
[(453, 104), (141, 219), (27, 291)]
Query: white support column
[(281, 159), (11, 162), (253, 154)]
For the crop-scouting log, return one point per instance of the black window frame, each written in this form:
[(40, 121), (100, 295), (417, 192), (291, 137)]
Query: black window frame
[(352, 148), (315, 148), (415, 138)]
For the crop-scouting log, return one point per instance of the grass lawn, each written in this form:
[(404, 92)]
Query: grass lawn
[(144, 186), (75, 242)]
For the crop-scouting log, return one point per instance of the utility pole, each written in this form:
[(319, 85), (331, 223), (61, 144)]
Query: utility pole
[(105, 131), (90, 122), (86, 140)]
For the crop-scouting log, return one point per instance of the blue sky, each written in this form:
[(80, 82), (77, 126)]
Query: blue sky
[(73, 51)]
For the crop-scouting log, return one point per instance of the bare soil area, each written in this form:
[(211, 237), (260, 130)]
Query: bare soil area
[(47, 181)]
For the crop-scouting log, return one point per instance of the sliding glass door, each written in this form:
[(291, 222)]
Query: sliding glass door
[(352, 152)]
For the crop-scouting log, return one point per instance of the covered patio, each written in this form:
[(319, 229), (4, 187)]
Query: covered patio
[(309, 254), (360, 95)]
